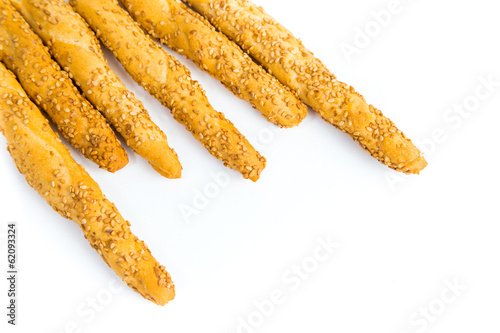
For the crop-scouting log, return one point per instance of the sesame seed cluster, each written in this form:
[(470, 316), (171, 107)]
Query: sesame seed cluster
[(65, 185), (286, 58), (191, 35), (170, 82), (292, 76), (22, 51), (74, 45)]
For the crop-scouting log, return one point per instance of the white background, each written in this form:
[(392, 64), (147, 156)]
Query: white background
[(401, 238)]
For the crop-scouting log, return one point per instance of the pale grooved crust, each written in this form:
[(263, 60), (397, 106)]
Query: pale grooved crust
[(189, 34), (50, 88), (74, 45), (286, 58), (170, 82), (49, 168)]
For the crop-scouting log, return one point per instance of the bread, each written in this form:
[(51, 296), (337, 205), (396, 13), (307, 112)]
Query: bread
[(65, 185), (74, 46), (286, 58), (170, 82), (189, 34), (22, 51)]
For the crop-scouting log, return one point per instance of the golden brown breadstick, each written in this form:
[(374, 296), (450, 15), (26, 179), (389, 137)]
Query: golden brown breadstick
[(188, 33), (23, 52), (74, 45), (170, 82), (285, 56), (65, 185)]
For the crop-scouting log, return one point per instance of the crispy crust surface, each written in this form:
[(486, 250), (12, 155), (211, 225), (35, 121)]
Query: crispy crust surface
[(74, 45), (22, 51), (189, 34), (170, 82), (338, 103), (50, 170)]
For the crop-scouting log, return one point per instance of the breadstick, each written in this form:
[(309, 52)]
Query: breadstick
[(189, 34), (339, 104), (170, 82), (66, 186), (74, 45), (23, 52)]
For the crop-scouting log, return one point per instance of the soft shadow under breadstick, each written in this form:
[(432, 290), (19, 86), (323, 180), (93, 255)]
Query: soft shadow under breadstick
[(188, 33), (74, 45), (65, 185), (50, 88), (286, 57), (170, 82)]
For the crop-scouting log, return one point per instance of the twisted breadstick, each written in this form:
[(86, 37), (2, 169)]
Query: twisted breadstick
[(23, 52), (285, 56), (65, 185), (170, 82), (77, 50), (191, 35)]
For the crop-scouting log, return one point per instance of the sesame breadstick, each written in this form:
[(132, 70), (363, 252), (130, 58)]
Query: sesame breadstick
[(339, 104), (66, 186), (22, 51), (74, 45), (170, 82), (189, 34)]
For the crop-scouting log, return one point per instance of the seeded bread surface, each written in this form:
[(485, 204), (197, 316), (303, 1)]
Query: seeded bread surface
[(273, 46), (191, 35), (22, 51), (170, 82), (49, 169), (75, 47)]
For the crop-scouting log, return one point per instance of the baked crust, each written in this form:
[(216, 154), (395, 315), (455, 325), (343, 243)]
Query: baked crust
[(170, 82), (191, 35), (22, 51), (285, 57), (74, 46), (50, 170)]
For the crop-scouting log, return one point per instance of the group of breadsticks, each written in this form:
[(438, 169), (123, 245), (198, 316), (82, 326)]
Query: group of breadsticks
[(51, 60)]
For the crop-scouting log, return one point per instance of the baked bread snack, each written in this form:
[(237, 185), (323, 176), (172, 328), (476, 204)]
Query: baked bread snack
[(189, 34), (22, 51), (286, 57), (170, 82), (74, 46), (65, 185)]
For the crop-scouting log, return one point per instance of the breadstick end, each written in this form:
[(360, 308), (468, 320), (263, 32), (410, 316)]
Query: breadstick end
[(291, 119), (174, 172), (162, 296), (417, 165), (167, 296), (117, 162), (254, 175)]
